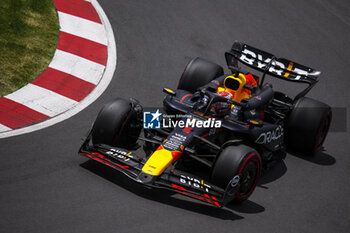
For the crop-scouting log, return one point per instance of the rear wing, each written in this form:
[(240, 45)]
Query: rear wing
[(269, 64)]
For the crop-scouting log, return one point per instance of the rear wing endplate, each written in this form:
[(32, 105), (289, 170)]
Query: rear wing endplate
[(268, 63)]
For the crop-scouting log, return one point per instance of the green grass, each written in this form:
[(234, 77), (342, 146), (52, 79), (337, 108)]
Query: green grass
[(28, 39)]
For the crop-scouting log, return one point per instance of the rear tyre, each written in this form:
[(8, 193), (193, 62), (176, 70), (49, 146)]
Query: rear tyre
[(237, 160), (307, 126), (117, 124), (197, 73)]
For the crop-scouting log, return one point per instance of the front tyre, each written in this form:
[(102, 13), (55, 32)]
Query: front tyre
[(118, 123), (197, 73), (237, 160)]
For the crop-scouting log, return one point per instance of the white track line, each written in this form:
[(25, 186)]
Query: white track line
[(42, 100), (82, 28), (100, 88), (4, 128), (77, 66)]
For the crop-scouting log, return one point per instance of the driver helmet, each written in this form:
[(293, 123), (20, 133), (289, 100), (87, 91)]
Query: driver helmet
[(220, 108)]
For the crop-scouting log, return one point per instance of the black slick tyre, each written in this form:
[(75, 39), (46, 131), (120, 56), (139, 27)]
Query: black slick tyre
[(116, 124), (307, 126), (197, 73), (239, 160)]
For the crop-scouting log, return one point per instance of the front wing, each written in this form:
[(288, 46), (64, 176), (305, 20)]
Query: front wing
[(131, 165)]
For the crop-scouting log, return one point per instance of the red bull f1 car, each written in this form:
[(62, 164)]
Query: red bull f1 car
[(234, 125)]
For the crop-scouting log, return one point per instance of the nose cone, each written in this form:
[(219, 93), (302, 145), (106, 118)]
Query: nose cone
[(160, 160)]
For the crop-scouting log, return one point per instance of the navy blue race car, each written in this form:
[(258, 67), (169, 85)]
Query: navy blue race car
[(234, 125)]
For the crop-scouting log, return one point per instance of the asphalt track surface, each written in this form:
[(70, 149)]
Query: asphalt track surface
[(46, 187)]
